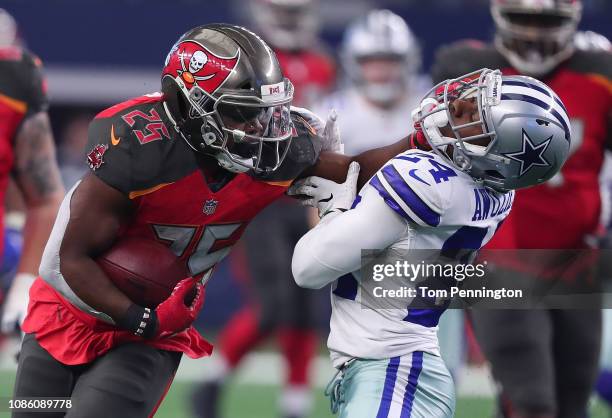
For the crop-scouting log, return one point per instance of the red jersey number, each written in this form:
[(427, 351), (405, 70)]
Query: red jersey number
[(153, 131)]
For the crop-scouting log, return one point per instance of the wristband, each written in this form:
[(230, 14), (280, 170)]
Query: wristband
[(141, 321), (418, 141)]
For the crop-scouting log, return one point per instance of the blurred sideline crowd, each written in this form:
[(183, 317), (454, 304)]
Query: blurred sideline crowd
[(372, 81)]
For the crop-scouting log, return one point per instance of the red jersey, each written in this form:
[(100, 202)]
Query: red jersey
[(134, 149), (565, 211), (22, 93), (312, 73)]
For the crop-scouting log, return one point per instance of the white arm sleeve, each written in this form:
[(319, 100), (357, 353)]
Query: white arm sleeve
[(333, 247)]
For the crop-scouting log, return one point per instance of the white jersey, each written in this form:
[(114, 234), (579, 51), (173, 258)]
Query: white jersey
[(416, 201), (364, 126)]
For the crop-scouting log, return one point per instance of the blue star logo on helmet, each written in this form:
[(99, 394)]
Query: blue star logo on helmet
[(531, 155)]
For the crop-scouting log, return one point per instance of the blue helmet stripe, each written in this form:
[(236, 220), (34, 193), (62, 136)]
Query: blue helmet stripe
[(535, 87), (527, 85), (539, 103)]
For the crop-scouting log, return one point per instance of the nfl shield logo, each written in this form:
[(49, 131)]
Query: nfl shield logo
[(210, 206)]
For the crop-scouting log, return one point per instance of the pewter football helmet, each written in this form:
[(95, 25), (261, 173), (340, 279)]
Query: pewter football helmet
[(226, 95), (525, 135), (535, 35)]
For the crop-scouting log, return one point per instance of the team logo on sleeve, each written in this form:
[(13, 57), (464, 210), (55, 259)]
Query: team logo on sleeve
[(195, 64), (95, 158)]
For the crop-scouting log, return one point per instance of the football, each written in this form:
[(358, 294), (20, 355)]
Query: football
[(145, 270)]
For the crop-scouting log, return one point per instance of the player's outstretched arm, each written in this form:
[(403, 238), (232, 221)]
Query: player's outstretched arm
[(333, 166), (333, 248), (37, 176), (97, 211)]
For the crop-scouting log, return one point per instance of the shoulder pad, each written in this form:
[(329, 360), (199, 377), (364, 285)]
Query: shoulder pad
[(593, 62), (415, 184), (132, 148), (22, 80)]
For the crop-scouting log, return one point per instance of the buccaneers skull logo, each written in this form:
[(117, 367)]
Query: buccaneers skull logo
[(195, 64)]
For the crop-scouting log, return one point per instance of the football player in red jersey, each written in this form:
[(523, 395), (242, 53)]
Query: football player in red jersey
[(546, 361), (291, 28), (279, 307), (27, 152), (189, 167)]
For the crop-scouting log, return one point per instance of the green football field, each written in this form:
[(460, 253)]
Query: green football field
[(259, 401)]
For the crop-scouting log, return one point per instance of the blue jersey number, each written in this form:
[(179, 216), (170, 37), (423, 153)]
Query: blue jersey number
[(439, 172)]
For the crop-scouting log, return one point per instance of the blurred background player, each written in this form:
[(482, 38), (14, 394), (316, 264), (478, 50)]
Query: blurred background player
[(27, 157), (535, 359), (589, 40), (291, 27), (381, 86), (278, 305)]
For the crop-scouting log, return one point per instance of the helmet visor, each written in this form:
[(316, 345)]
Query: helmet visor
[(256, 131), (255, 123)]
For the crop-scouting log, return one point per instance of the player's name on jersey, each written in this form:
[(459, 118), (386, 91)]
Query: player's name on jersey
[(489, 204)]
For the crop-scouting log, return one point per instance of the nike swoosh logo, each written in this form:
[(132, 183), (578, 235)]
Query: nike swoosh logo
[(412, 173), (114, 140), (331, 196)]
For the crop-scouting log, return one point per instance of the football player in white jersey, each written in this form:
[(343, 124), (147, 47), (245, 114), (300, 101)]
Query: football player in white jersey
[(381, 59), (489, 134)]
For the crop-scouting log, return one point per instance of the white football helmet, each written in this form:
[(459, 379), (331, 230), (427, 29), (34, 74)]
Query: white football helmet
[(536, 35), (380, 34), (526, 132), (8, 29)]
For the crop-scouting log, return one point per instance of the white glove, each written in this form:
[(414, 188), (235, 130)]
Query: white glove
[(16, 302), (326, 195), (329, 131)]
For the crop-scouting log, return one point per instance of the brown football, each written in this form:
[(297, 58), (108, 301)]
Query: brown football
[(145, 270)]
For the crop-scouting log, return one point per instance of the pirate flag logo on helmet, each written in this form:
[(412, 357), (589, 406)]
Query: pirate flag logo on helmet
[(195, 64)]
